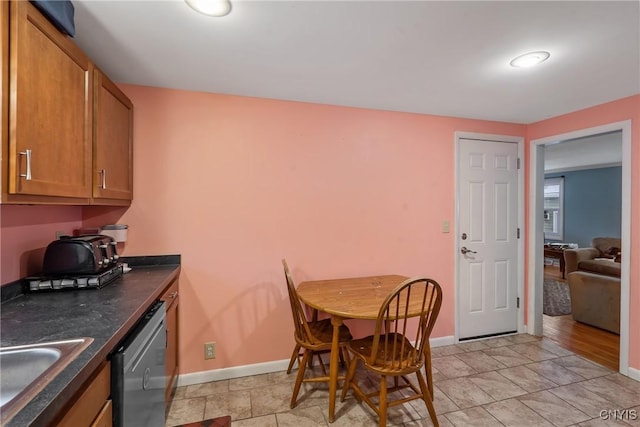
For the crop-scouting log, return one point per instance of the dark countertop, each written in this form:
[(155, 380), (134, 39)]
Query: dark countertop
[(106, 315)]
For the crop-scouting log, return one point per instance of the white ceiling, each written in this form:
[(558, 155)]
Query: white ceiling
[(436, 57)]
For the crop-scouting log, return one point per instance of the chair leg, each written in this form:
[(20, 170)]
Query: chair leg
[(294, 356), (382, 404), (427, 399), (344, 357), (322, 367), (427, 367), (310, 363), (348, 378), (300, 376), (341, 359)]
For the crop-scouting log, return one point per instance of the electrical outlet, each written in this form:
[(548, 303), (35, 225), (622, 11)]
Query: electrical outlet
[(59, 234), (445, 226), (209, 350)]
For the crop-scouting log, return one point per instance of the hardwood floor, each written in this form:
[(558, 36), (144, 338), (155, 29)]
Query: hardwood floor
[(592, 343)]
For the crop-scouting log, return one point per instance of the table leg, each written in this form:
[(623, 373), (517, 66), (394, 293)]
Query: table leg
[(336, 321), (562, 264)]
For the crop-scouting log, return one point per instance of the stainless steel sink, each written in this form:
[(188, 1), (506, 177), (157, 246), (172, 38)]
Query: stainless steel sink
[(26, 369)]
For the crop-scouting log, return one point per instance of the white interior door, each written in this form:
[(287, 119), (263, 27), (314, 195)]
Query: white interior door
[(487, 238)]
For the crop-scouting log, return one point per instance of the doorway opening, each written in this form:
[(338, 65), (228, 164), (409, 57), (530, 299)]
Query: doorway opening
[(537, 225), (590, 206)]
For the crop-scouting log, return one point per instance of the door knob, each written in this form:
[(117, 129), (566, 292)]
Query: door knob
[(465, 251)]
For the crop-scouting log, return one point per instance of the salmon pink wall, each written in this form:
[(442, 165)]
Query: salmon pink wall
[(26, 231), (620, 110), (234, 184)]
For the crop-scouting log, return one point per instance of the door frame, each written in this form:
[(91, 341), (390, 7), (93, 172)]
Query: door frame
[(535, 236), (520, 259)]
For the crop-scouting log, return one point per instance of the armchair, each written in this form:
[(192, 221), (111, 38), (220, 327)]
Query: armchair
[(594, 283)]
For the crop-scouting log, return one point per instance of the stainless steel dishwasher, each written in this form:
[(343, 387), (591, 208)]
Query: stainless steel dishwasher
[(138, 373)]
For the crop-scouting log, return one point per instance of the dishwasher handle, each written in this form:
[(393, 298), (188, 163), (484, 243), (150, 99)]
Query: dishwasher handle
[(160, 329)]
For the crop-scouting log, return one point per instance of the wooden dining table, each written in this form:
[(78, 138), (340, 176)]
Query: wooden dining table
[(352, 298)]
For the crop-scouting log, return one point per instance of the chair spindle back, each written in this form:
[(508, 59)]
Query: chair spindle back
[(419, 298), (302, 331)]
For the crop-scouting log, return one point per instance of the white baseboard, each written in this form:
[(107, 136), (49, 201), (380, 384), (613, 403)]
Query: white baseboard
[(442, 341), (263, 368), (634, 373), (233, 372)]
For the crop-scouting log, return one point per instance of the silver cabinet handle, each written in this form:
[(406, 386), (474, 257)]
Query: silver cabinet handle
[(27, 175), (103, 179), (465, 251)]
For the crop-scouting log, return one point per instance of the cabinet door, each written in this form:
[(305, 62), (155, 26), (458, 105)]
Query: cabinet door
[(170, 297), (105, 417), (50, 109), (113, 141), (4, 82), (172, 349), (92, 402)]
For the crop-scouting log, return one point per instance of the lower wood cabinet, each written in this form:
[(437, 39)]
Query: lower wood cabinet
[(105, 417), (170, 297), (93, 407)]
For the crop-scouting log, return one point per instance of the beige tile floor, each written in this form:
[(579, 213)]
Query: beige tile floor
[(518, 380)]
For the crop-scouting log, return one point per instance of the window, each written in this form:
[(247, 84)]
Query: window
[(553, 204)]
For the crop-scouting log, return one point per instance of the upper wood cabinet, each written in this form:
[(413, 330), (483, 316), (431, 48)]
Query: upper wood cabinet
[(4, 87), (112, 142), (66, 128), (50, 109)]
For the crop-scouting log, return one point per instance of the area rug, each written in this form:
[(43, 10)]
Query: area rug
[(555, 298), (213, 422)]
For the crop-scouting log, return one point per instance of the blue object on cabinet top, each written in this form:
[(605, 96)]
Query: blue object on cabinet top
[(59, 12)]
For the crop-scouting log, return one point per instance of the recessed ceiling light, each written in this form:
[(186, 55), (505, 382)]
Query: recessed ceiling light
[(530, 59), (210, 7)]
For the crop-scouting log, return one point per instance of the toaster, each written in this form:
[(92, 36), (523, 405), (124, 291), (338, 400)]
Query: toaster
[(79, 255)]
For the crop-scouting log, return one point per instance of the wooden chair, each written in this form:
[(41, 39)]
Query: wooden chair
[(295, 355), (394, 350), (314, 337)]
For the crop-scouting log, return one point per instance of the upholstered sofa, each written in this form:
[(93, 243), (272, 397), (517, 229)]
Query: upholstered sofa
[(594, 283)]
